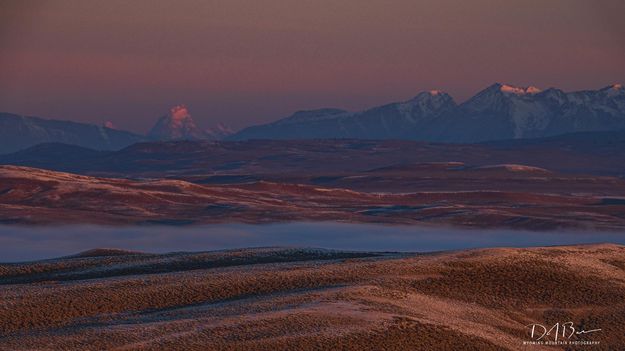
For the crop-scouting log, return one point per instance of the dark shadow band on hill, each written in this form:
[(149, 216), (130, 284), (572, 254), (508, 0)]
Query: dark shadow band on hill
[(103, 263)]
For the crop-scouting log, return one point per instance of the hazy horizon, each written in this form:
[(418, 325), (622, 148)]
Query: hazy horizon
[(245, 63), (216, 124)]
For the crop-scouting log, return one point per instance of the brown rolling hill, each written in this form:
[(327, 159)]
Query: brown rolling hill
[(311, 299), (36, 196)]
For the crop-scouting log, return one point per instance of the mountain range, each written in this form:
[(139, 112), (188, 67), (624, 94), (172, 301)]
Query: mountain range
[(497, 112), (21, 132), (178, 125)]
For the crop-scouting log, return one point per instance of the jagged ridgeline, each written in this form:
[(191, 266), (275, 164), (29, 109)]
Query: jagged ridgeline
[(497, 112)]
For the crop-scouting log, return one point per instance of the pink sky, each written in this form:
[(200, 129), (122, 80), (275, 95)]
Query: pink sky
[(248, 62)]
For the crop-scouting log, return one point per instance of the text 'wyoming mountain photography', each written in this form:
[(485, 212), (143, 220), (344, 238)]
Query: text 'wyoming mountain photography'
[(312, 175)]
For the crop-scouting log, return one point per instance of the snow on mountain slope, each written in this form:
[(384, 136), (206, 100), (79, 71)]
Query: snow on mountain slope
[(20, 132), (392, 121), (500, 111), (177, 125)]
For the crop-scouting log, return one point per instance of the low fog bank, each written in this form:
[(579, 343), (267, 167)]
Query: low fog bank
[(19, 243)]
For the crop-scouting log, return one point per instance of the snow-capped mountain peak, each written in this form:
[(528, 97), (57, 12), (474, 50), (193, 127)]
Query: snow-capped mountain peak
[(426, 102), (614, 90), (499, 97), (179, 113), (509, 89), (177, 125), (431, 95), (498, 112)]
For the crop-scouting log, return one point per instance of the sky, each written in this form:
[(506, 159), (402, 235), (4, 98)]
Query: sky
[(249, 62)]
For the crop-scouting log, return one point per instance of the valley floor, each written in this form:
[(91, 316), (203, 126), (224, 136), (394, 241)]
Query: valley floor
[(310, 299)]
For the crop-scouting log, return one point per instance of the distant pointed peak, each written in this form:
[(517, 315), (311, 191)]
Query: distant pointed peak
[(497, 94), (179, 112), (431, 101), (432, 94), (177, 124), (109, 125)]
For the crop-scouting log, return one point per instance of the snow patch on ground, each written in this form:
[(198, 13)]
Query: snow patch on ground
[(514, 168)]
